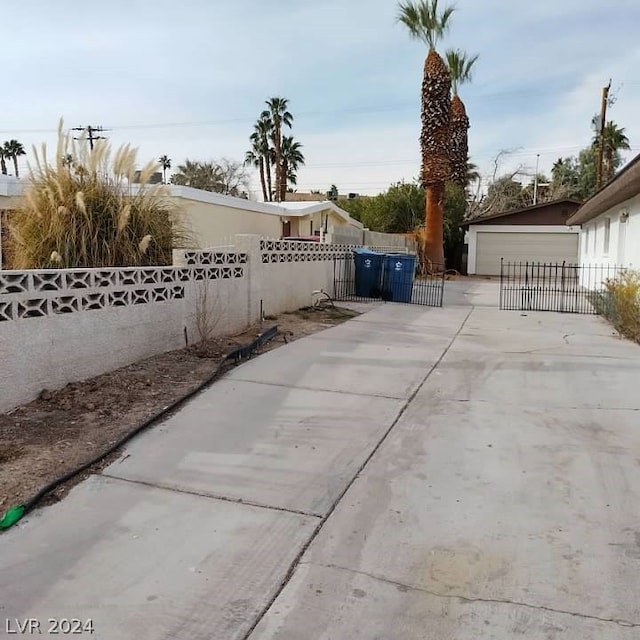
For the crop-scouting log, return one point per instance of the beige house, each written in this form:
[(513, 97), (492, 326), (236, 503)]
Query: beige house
[(213, 218)]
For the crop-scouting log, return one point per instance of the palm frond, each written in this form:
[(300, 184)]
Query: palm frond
[(460, 67), (423, 20)]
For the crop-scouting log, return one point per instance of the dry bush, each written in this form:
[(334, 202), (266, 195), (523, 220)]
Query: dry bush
[(623, 308), (82, 210)]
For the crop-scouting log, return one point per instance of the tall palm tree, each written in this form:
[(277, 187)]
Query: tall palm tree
[(460, 67), (280, 117), (424, 22), (262, 130), (614, 140), (165, 163), (3, 161), (253, 158), (292, 158), (13, 149)]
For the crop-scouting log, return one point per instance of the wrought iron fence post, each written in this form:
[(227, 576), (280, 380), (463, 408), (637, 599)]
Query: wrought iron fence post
[(562, 287), (501, 280)]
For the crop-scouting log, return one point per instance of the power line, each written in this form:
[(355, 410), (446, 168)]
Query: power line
[(414, 105)]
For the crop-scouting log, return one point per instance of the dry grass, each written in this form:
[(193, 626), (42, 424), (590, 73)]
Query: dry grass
[(81, 211), (621, 304)]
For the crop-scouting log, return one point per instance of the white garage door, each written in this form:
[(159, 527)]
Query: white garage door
[(523, 247)]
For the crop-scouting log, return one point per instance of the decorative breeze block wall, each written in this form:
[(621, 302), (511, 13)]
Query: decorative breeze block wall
[(41, 293), (275, 251)]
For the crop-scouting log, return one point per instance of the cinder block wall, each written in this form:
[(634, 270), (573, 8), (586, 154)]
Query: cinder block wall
[(60, 326)]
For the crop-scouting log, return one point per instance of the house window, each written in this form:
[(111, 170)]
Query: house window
[(607, 235)]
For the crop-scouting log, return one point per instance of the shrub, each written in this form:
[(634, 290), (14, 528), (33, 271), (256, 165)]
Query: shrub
[(621, 303), (84, 211)]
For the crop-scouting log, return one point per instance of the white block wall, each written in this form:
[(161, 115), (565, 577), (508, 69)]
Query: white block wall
[(60, 326)]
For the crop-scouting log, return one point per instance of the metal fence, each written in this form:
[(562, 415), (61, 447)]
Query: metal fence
[(561, 287), (391, 284)]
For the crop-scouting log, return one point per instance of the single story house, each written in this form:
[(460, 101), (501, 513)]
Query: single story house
[(214, 219), (538, 233), (610, 221)]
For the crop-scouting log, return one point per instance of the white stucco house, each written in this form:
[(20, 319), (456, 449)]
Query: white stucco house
[(610, 221)]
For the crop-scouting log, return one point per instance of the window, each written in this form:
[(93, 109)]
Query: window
[(607, 235)]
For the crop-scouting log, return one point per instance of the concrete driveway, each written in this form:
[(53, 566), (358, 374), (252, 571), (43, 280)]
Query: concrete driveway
[(415, 473)]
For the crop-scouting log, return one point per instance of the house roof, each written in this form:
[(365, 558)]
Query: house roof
[(530, 208), (623, 186), (307, 208), (10, 186)]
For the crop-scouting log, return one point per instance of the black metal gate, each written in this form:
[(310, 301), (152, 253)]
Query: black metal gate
[(352, 284), (561, 287)]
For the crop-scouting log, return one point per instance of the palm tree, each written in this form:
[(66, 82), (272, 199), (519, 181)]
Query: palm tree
[(460, 67), (253, 158), (292, 158), (614, 140), (262, 131), (165, 163), (199, 175), (13, 149), (425, 23), (3, 162), (471, 173), (279, 117)]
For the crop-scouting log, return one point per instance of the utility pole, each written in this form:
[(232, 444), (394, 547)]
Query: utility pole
[(535, 181), (91, 134), (603, 120)]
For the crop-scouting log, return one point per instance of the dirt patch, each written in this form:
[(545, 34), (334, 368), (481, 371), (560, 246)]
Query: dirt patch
[(64, 429)]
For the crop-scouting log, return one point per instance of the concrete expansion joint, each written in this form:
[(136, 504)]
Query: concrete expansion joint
[(318, 389), (298, 559), (191, 492), (407, 587)]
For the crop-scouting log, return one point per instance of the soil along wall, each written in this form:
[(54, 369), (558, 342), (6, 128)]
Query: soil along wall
[(60, 326)]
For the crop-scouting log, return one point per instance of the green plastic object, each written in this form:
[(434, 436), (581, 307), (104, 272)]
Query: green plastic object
[(11, 516)]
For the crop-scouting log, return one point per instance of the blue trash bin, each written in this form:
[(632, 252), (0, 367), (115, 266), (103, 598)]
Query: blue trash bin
[(368, 273), (399, 273)]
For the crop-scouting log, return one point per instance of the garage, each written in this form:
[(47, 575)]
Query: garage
[(523, 247), (537, 233)]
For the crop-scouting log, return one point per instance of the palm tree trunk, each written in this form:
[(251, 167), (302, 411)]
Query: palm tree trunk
[(278, 145), (434, 227), (3, 166), (267, 164), (15, 165), (283, 185), (262, 182)]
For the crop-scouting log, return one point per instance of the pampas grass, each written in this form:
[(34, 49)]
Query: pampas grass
[(82, 210)]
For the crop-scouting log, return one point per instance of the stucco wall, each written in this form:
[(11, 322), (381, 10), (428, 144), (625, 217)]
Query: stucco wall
[(208, 222), (59, 326), (624, 237)]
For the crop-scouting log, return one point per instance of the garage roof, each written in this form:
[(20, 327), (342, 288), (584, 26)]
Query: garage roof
[(623, 186), (530, 209)]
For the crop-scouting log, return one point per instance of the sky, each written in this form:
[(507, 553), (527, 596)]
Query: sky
[(189, 79)]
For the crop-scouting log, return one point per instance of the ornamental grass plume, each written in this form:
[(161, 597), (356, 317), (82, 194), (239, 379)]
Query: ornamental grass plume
[(83, 210)]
